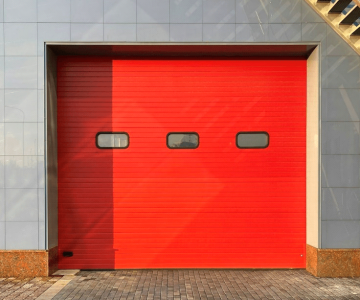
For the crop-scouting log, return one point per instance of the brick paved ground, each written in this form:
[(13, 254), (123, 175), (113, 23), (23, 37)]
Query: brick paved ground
[(26, 288), (207, 284)]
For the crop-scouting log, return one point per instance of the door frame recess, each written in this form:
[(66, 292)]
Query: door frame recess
[(309, 51)]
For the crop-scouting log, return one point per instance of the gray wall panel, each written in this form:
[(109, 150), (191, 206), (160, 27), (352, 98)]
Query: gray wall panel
[(21, 105), (20, 10), (341, 234), (340, 105), (2, 139), (2, 205), (187, 11), (2, 235), (340, 170), (22, 205), (252, 11), (285, 11), (186, 32), (22, 235), (53, 10), (215, 11), (252, 32), (120, 32), (340, 204), (340, 138)]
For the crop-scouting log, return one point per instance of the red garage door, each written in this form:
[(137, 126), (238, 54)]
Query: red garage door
[(217, 204)]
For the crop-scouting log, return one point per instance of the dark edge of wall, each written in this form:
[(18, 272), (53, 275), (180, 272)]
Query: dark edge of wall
[(51, 150), (53, 259)]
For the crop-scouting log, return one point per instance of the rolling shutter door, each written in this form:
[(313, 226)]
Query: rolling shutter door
[(148, 206)]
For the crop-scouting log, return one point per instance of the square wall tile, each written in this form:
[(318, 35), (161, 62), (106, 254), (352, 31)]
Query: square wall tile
[(308, 15), (22, 235), (30, 138), (2, 105), (42, 205), (21, 205), (323, 68), (340, 204), (340, 138), (52, 32), (2, 172), (21, 72), (2, 205), (340, 234), (215, 11), (153, 32), (42, 236), (340, 105), (21, 172), (340, 171), (119, 11), (41, 172), (87, 32), (219, 33), (2, 72), (20, 10), (186, 32), (1, 10), (14, 138), (2, 139), (284, 32), (153, 11), (252, 11), (40, 138), (2, 235), (87, 11), (40, 106), (336, 45), (2, 40), (120, 32), (53, 10), (20, 39), (21, 105), (41, 72), (186, 11), (285, 11), (314, 32), (342, 72), (252, 32)]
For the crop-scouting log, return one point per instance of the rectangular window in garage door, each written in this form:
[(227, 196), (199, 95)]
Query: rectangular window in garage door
[(252, 140)]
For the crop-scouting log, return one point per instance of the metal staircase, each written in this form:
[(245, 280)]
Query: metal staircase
[(343, 16)]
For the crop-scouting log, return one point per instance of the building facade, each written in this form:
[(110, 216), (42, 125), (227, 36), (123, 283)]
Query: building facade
[(39, 36)]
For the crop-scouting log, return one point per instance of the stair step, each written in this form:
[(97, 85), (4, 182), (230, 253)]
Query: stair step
[(351, 16), (339, 6), (356, 32)]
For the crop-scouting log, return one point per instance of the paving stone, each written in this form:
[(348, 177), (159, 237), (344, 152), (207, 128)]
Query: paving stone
[(186, 285), (25, 288)]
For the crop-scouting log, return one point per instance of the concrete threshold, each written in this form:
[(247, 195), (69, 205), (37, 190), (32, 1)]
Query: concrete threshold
[(59, 285)]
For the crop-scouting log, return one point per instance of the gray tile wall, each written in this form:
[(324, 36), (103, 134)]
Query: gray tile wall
[(26, 24)]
